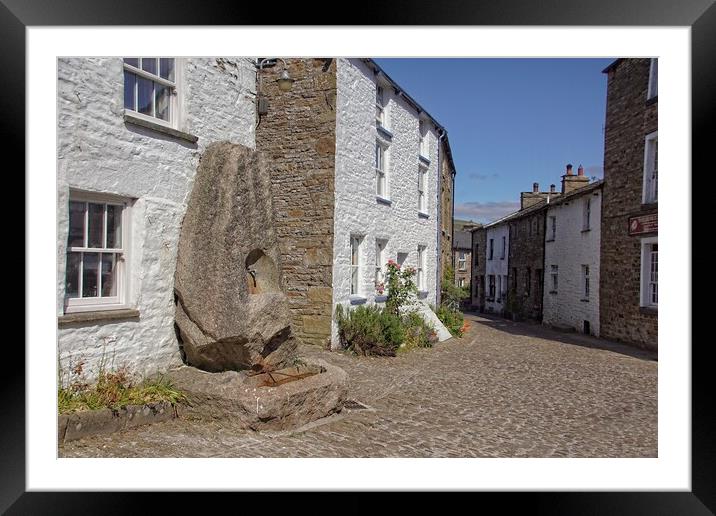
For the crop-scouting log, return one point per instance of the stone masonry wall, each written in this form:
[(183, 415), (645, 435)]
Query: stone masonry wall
[(99, 153), (298, 135), (527, 252), (629, 119), (446, 210)]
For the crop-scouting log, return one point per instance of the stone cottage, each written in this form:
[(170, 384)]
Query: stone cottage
[(497, 242), (356, 171), (629, 229), (462, 252)]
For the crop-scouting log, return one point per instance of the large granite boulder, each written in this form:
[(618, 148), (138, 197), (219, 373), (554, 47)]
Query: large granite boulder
[(230, 311)]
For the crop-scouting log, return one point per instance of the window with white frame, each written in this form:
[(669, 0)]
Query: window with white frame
[(504, 248), (150, 88), (355, 264), (651, 164), (380, 260), (650, 272), (552, 227), (423, 139), (422, 175), (421, 268), (95, 275), (381, 170), (554, 272), (381, 114), (585, 281), (491, 286), (586, 213), (653, 89), (462, 261), (492, 248), (461, 282)]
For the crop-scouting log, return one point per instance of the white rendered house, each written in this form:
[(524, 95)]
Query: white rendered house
[(497, 252), (571, 260), (386, 182), (130, 133)]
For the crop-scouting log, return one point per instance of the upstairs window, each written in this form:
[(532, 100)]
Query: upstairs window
[(95, 275), (462, 261), (586, 214), (423, 140), (653, 89), (651, 165), (492, 248), (150, 88), (552, 228), (476, 255), (381, 170), (422, 204), (381, 115), (504, 248)]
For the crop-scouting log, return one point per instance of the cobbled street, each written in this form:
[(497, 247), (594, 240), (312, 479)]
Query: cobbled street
[(504, 390)]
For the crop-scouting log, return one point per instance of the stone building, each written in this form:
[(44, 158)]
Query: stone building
[(357, 172), (479, 270), (447, 207), (130, 134), (629, 231), (571, 260), (462, 252), (497, 256)]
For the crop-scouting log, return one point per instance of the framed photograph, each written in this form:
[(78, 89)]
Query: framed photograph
[(59, 55)]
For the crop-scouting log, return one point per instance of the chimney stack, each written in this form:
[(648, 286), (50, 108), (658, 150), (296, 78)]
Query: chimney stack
[(535, 187), (552, 189), (570, 182)]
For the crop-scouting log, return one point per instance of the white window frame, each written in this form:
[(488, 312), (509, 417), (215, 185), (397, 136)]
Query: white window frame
[(380, 245), (653, 89), (382, 189), (119, 300), (554, 274), (461, 261), (586, 287), (421, 268), (422, 182), (382, 112), (647, 280), (356, 242), (651, 158), (587, 213), (174, 96), (423, 149)]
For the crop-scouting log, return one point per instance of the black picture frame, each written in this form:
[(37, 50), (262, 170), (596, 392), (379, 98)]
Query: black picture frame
[(700, 15)]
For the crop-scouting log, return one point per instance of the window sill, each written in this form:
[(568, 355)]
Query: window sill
[(650, 205), (649, 310), (423, 215), (383, 200), (357, 300), (652, 100), (424, 159), (584, 300), (552, 291), (586, 230), (154, 126), (380, 299), (96, 316), (550, 240), (384, 132)]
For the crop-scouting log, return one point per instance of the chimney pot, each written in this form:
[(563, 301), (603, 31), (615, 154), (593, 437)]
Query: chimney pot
[(580, 171), (552, 188), (535, 187), (569, 169)]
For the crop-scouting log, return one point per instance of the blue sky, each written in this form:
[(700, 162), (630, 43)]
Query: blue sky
[(511, 122)]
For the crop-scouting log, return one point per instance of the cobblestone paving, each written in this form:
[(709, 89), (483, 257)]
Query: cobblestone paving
[(504, 390)]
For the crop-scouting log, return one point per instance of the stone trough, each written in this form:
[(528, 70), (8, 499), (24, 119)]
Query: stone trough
[(257, 402), (232, 318)]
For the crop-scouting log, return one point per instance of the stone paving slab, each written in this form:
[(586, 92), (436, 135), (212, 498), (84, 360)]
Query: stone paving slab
[(507, 389)]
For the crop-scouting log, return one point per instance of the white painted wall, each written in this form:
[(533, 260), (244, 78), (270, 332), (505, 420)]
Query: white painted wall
[(498, 266), (571, 249), (356, 209), (98, 152)]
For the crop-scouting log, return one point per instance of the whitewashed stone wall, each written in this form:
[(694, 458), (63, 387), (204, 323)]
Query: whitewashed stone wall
[(571, 249), (498, 266), (98, 152), (357, 211)]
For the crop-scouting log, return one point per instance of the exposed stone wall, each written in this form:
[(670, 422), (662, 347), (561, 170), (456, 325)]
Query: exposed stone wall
[(629, 119), (572, 248), (298, 135), (479, 255), (99, 152), (447, 184), (358, 211), (527, 264)]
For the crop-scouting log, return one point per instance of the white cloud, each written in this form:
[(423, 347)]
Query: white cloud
[(485, 211)]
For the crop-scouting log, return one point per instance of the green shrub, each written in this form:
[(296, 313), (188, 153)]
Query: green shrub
[(450, 294), (369, 330), (418, 332), (452, 319), (401, 287)]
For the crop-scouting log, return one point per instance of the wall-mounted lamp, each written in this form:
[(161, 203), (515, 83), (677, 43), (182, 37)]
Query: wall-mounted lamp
[(285, 83)]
